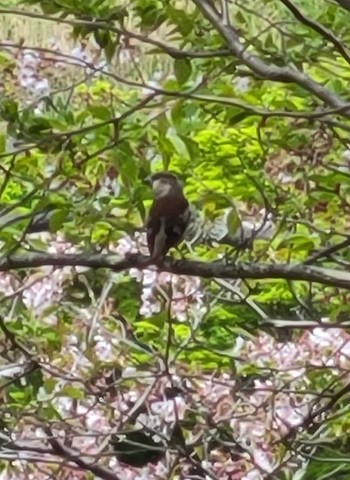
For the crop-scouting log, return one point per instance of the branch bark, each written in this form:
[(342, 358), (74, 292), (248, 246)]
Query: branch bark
[(263, 69), (218, 269)]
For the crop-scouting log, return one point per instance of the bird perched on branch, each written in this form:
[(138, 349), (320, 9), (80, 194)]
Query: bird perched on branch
[(169, 214)]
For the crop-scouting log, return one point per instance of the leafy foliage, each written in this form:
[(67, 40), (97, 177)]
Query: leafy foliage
[(248, 104)]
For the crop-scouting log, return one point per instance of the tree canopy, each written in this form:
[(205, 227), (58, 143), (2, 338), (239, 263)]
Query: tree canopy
[(229, 360)]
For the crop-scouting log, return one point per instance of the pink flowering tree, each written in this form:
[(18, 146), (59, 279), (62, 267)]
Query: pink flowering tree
[(230, 360)]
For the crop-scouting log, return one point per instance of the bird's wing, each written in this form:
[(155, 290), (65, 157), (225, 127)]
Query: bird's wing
[(167, 222)]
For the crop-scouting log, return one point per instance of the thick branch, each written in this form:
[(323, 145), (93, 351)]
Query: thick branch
[(263, 69), (325, 276)]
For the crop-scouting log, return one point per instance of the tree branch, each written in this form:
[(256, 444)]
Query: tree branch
[(317, 27), (263, 69), (57, 449), (344, 3), (218, 269), (75, 457), (106, 25), (327, 252), (320, 115), (221, 100)]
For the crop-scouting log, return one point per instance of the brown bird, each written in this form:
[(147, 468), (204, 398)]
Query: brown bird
[(169, 214)]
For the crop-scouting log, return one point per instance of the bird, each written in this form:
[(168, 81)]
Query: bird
[(169, 214)]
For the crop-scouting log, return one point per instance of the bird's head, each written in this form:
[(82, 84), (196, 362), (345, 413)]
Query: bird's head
[(164, 183)]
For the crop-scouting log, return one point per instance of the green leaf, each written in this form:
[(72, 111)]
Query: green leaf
[(73, 392), (191, 146), (19, 396), (232, 221), (100, 111), (57, 219), (9, 110), (110, 49), (179, 145), (182, 70)]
